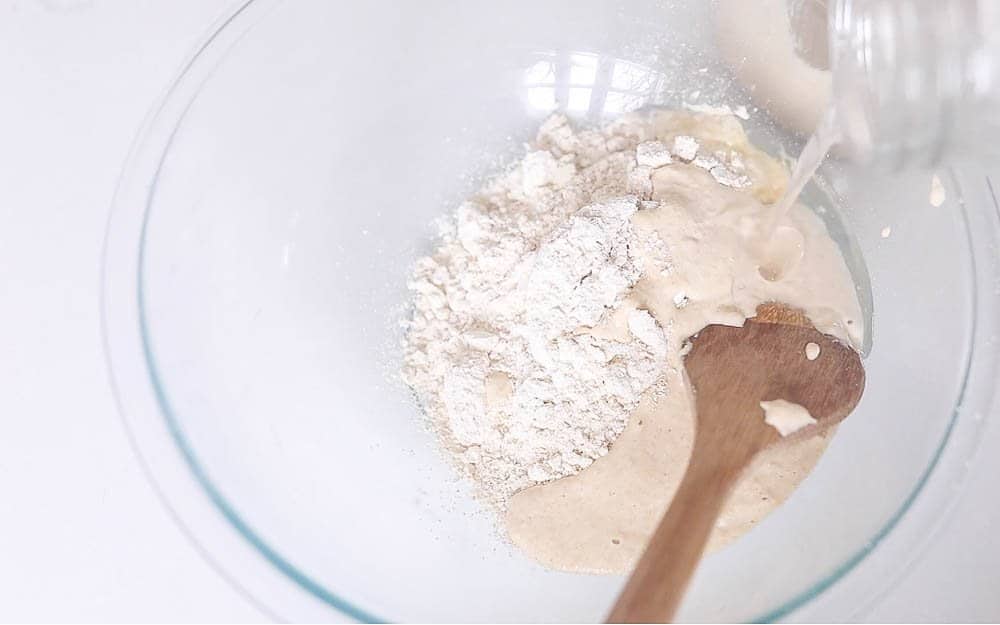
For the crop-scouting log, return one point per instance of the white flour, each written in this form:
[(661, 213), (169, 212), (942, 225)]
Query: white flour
[(499, 350), (535, 331), (549, 327)]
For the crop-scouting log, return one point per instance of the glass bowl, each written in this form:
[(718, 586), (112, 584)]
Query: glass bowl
[(255, 277)]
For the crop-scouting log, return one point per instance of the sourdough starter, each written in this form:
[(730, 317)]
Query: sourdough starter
[(549, 326)]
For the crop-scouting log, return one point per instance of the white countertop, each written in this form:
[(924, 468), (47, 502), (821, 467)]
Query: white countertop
[(82, 536)]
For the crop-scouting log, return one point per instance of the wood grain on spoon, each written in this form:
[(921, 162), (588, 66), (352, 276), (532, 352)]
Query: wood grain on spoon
[(732, 370)]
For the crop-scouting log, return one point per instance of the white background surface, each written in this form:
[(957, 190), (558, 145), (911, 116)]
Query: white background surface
[(82, 536)]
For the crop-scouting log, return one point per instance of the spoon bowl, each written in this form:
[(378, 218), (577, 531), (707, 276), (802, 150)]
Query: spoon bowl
[(733, 370)]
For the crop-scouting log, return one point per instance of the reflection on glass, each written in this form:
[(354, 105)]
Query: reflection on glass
[(579, 98), (589, 84), (582, 68)]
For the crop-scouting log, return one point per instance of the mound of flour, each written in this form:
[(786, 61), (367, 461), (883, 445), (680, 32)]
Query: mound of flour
[(505, 348)]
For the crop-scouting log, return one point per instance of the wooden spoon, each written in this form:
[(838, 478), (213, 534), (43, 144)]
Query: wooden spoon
[(732, 370)]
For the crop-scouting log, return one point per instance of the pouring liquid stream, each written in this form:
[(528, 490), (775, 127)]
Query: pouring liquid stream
[(826, 135), (779, 248)]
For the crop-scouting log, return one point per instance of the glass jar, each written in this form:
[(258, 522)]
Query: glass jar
[(916, 81)]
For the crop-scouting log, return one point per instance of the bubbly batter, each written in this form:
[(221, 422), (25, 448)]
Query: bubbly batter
[(549, 325), (599, 519)]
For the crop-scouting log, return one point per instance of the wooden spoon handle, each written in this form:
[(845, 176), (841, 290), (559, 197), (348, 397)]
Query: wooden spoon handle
[(655, 588)]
